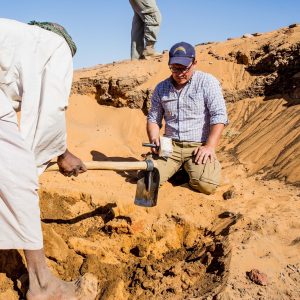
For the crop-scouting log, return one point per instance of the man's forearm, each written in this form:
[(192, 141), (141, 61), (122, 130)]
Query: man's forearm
[(215, 135), (152, 131), (63, 155)]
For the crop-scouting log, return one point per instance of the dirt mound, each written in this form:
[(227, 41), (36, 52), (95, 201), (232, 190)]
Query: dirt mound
[(264, 135), (171, 258)]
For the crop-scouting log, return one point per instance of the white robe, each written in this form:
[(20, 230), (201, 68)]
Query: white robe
[(35, 76)]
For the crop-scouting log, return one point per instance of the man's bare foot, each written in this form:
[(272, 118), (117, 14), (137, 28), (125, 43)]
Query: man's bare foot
[(84, 288)]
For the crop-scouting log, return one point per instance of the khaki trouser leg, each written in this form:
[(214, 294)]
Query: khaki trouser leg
[(137, 37), (204, 178), (168, 167)]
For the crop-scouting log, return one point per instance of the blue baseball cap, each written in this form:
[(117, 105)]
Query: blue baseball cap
[(182, 53)]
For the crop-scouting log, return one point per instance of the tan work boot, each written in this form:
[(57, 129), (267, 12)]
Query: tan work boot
[(149, 51)]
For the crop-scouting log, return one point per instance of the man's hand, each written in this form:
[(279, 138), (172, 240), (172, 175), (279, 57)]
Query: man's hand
[(70, 165), (203, 153), (156, 142), (153, 135)]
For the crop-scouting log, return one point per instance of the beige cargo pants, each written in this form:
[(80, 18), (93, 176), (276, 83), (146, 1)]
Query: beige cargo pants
[(204, 178)]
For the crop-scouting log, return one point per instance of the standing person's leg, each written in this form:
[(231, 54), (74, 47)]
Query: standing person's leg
[(137, 37), (44, 286), (152, 20), (204, 178)]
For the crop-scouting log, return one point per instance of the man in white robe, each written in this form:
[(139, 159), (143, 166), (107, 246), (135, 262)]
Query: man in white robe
[(35, 77)]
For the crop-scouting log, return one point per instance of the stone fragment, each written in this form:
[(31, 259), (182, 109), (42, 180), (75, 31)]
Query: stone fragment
[(257, 277), (55, 246), (229, 194), (247, 36)]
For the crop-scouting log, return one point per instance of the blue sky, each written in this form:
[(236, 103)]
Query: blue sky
[(101, 29)]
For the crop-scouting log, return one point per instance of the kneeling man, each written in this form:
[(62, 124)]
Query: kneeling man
[(192, 105)]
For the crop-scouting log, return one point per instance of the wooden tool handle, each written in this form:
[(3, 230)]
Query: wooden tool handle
[(110, 165)]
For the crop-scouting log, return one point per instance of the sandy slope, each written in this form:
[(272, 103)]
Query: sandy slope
[(190, 246)]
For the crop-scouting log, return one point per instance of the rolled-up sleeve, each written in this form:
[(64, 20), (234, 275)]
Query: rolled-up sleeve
[(215, 102), (155, 114)]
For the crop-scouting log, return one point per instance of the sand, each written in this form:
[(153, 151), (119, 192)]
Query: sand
[(190, 246)]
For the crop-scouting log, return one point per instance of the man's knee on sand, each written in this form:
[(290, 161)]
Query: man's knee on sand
[(202, 186), (199, 185), (196, 184), (205, 178)]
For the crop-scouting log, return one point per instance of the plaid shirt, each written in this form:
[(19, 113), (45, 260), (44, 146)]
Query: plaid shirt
[(189, 113)]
